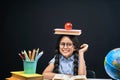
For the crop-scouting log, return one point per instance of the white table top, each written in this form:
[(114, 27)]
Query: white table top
[(91, 79), (98, 79)]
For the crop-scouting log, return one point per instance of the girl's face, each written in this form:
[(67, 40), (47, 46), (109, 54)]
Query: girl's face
[(66, 47)]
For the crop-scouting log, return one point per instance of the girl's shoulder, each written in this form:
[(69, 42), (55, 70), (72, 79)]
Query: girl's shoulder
[(52, 60)]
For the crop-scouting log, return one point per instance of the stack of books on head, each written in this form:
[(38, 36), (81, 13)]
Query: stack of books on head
[(66, 77), (19, 75)]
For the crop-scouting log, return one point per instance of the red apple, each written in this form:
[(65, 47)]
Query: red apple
[(68, 26)]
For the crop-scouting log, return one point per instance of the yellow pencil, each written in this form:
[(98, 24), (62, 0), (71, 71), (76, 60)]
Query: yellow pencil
[(37, 52)]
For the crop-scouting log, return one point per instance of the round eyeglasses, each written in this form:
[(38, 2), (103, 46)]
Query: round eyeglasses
[(68, 45)]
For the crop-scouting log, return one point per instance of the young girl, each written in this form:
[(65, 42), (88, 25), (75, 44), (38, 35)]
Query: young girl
[(69, 58)]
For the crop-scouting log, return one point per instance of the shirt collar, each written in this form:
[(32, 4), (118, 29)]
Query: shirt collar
[(69, 59)]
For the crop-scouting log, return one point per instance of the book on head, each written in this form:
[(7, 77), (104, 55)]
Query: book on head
[(67, 32)]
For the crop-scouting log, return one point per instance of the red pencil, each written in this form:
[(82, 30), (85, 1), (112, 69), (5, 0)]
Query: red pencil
[(21, 56)]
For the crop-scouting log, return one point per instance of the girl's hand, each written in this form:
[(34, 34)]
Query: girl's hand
[(83, 48)]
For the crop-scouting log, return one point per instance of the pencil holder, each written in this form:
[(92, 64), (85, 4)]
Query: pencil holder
[(29, 67)]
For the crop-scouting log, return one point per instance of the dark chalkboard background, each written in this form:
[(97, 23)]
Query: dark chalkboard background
[(28, 24)]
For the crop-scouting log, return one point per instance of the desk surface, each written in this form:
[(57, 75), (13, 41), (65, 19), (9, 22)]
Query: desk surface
[(99, 79), (90, 79)]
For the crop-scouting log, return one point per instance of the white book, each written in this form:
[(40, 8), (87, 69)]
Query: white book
[(66, 77)]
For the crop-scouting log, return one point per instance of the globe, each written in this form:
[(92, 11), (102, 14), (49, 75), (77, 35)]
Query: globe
[(112, 63)]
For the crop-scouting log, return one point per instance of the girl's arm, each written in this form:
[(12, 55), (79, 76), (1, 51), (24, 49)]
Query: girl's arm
[(82, 66), (48, 72)]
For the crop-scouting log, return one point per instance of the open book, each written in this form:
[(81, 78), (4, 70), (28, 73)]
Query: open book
[(66, 77)]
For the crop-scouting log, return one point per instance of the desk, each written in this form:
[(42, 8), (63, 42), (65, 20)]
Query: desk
[(90, 79), (98, 79), (19, 75)]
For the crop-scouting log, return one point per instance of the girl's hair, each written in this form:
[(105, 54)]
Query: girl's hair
[(76, 44)]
